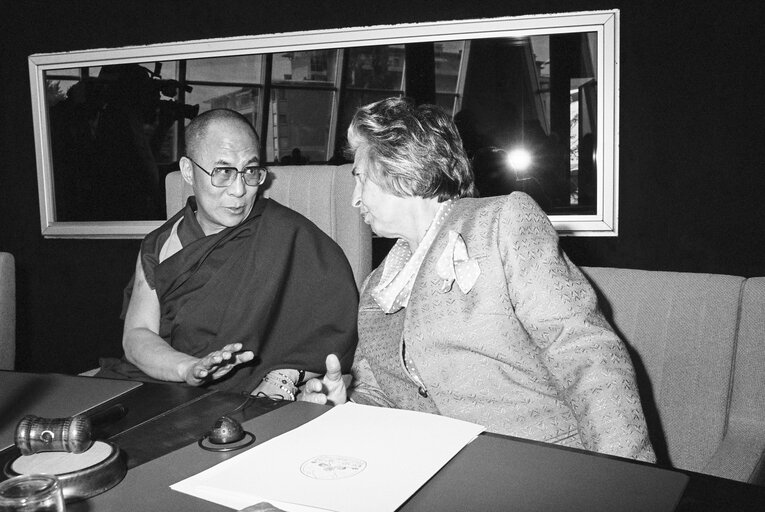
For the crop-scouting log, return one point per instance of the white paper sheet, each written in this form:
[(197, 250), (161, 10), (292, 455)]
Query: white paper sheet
[(353, 457)]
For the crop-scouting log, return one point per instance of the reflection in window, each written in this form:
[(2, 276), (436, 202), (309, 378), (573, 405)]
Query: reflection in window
[(376, 67), (534, 94), (243, 69), (534, 130), (245, 100), (300, 127), (111, 136), (448, 61), (301, 68)]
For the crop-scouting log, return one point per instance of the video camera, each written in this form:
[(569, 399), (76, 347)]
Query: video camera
[(134, 85)]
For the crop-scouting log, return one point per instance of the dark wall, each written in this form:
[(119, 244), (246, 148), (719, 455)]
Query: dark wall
[(691, 157)]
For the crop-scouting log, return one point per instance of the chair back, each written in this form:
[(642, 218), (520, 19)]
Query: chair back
[(7, 311), (321, 193), (680, 328)]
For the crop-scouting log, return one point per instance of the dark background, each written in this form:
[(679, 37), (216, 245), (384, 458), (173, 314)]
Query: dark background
[(692, 126)]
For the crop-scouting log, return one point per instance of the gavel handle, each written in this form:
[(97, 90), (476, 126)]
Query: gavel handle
[(109, 415)]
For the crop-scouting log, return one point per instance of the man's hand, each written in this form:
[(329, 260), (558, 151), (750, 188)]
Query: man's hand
[(215, 364), (328, 390)]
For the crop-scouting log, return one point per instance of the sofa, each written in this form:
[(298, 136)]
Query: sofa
[(697, 340), (698, 345)]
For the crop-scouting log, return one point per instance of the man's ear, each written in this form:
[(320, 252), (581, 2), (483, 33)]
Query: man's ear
[(187, 170)]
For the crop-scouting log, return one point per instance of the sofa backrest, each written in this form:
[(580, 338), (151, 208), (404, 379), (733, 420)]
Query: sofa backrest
[(746, 423), (322, 193), (681, 330)]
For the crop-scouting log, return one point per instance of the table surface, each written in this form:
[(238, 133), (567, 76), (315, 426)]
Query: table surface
[(50, 395), (158, 436)]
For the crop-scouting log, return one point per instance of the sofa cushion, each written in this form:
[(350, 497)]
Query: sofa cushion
[(742, 457), (681, 330)]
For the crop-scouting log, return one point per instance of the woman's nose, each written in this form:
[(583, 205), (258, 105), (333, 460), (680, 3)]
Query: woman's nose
[(356, 197)]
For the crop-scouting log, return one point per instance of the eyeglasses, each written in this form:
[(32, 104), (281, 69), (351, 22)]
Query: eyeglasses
[(222, 177)]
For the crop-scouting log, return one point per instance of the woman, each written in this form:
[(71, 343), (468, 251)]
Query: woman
[(476, 313)]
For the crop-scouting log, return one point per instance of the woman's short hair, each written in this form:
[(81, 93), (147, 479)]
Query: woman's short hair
[(411, 150)]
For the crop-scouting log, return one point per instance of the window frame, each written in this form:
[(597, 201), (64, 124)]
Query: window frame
[(605, 23)]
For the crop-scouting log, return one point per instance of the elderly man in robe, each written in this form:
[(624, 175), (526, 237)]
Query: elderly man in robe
[(235, 291)]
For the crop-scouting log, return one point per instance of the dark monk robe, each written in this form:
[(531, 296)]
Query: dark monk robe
[(275, 283)]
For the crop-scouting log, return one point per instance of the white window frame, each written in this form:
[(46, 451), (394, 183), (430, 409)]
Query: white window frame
[(605, 23)]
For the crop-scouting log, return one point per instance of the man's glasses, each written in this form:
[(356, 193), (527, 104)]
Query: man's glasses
[(222, 177)]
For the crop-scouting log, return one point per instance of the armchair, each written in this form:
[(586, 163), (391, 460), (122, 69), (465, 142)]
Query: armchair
[(697, 344), (322, 193)]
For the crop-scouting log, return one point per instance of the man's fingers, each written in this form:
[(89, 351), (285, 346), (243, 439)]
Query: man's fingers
[(245, 357), (315, 398), (334, 371), (313, 386)]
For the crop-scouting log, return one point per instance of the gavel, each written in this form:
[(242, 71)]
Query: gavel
[(74, 434)]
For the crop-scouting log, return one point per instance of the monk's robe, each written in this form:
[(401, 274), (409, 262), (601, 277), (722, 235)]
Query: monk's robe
[(275, 283)]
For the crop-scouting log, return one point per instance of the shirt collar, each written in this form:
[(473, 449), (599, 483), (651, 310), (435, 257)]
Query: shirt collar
[(401, 266)]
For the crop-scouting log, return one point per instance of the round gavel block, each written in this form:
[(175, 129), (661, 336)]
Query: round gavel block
[(82, 475)]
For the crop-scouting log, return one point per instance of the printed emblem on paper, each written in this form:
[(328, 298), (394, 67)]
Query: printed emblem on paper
[(332, 467)]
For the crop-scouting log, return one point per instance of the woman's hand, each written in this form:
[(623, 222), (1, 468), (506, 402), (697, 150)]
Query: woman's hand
[(330, 389), (215, 364)]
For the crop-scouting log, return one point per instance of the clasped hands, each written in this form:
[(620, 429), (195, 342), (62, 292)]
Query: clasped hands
[(330, 389), (216, 364)]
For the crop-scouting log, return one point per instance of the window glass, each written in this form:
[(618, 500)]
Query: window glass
[(56, 90), (446, 102), (167, 69), (305, 67), (239, 69), (244, 100), (448, 56), (63, 73), (376, 67), (299, 127)]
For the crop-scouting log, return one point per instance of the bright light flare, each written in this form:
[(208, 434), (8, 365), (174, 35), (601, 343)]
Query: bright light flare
[(519, 159)]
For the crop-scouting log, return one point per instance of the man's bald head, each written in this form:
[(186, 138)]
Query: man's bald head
[(199, 127)]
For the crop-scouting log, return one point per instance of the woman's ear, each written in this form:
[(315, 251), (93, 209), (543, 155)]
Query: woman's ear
[(187, 170)]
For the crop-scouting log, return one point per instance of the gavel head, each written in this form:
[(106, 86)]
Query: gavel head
[(35, 434)]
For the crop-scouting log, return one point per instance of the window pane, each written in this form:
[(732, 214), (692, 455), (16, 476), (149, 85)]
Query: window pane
[(73, 73), (57, 91), (314, 66), (448, 56), (446, 102), (166, 70), (376, 67), (299, 126), (537, 96), (237, 69), (245, 100)]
